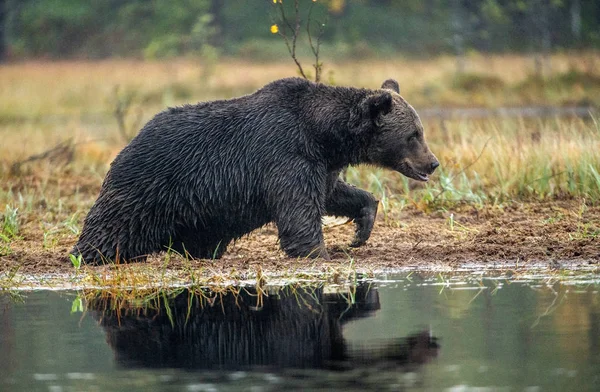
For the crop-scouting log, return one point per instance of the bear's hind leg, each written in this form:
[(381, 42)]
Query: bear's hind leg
[(357, 204)]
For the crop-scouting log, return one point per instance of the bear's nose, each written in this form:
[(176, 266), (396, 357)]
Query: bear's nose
[(433, 166)]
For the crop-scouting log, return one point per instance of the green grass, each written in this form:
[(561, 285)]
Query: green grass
[(10, 225), (9, 230)]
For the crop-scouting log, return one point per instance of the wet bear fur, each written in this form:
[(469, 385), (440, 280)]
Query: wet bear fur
[(198, 176)]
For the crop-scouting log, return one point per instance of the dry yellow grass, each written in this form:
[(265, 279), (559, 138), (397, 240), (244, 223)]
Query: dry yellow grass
[(47, 102), (32, 89)]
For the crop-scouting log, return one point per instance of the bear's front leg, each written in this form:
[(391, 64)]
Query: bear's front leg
[(298, 211), (357, 204)]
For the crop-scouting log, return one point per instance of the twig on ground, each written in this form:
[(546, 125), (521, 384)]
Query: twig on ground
[(63, 150)]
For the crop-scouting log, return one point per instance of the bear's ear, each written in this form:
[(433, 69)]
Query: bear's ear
[(391, 84), (378, 104)]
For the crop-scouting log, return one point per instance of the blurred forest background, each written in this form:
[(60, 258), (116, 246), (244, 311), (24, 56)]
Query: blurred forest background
[(355, 29)]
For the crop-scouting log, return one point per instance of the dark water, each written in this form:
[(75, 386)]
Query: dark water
[(401, 332)]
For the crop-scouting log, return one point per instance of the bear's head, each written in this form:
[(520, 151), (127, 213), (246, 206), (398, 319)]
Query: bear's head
[(396, 139)]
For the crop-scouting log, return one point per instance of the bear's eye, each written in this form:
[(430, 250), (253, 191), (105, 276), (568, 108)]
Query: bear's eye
[(413, 136)]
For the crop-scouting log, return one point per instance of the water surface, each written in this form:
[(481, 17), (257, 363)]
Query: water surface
[(398, 332)]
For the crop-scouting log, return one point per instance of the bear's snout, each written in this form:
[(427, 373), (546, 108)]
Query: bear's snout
[(420, 167), (432, 166)]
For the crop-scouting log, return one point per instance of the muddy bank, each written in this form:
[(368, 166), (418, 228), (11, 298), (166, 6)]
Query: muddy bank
[(556, 234)]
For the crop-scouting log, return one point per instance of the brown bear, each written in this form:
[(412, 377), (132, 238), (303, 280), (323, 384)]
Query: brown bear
[(198, 176)]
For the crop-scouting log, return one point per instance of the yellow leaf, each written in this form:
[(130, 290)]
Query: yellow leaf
[(274, 29)]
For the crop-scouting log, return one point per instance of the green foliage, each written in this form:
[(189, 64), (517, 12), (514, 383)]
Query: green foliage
[(9, 230), (164, 46), (162, 28), (5, 249), (99, 28), (50, 27), (397, 28), (196, 40)]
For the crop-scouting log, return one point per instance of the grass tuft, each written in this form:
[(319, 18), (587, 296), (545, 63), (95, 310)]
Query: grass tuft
[(10, 225)]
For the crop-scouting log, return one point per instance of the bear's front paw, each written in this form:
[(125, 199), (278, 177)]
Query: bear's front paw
[(364, 224)]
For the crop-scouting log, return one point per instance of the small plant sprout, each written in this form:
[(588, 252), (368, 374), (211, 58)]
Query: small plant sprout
[(76, 260), (50, 239)]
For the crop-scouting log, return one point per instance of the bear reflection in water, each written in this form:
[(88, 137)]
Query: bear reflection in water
[(294, 328)]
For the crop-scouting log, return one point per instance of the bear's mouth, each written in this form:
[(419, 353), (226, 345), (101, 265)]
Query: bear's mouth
[(409, 171), (421, 176)]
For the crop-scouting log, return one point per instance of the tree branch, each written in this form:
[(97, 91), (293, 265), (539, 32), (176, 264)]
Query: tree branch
[(295, 30), (315, 49)]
